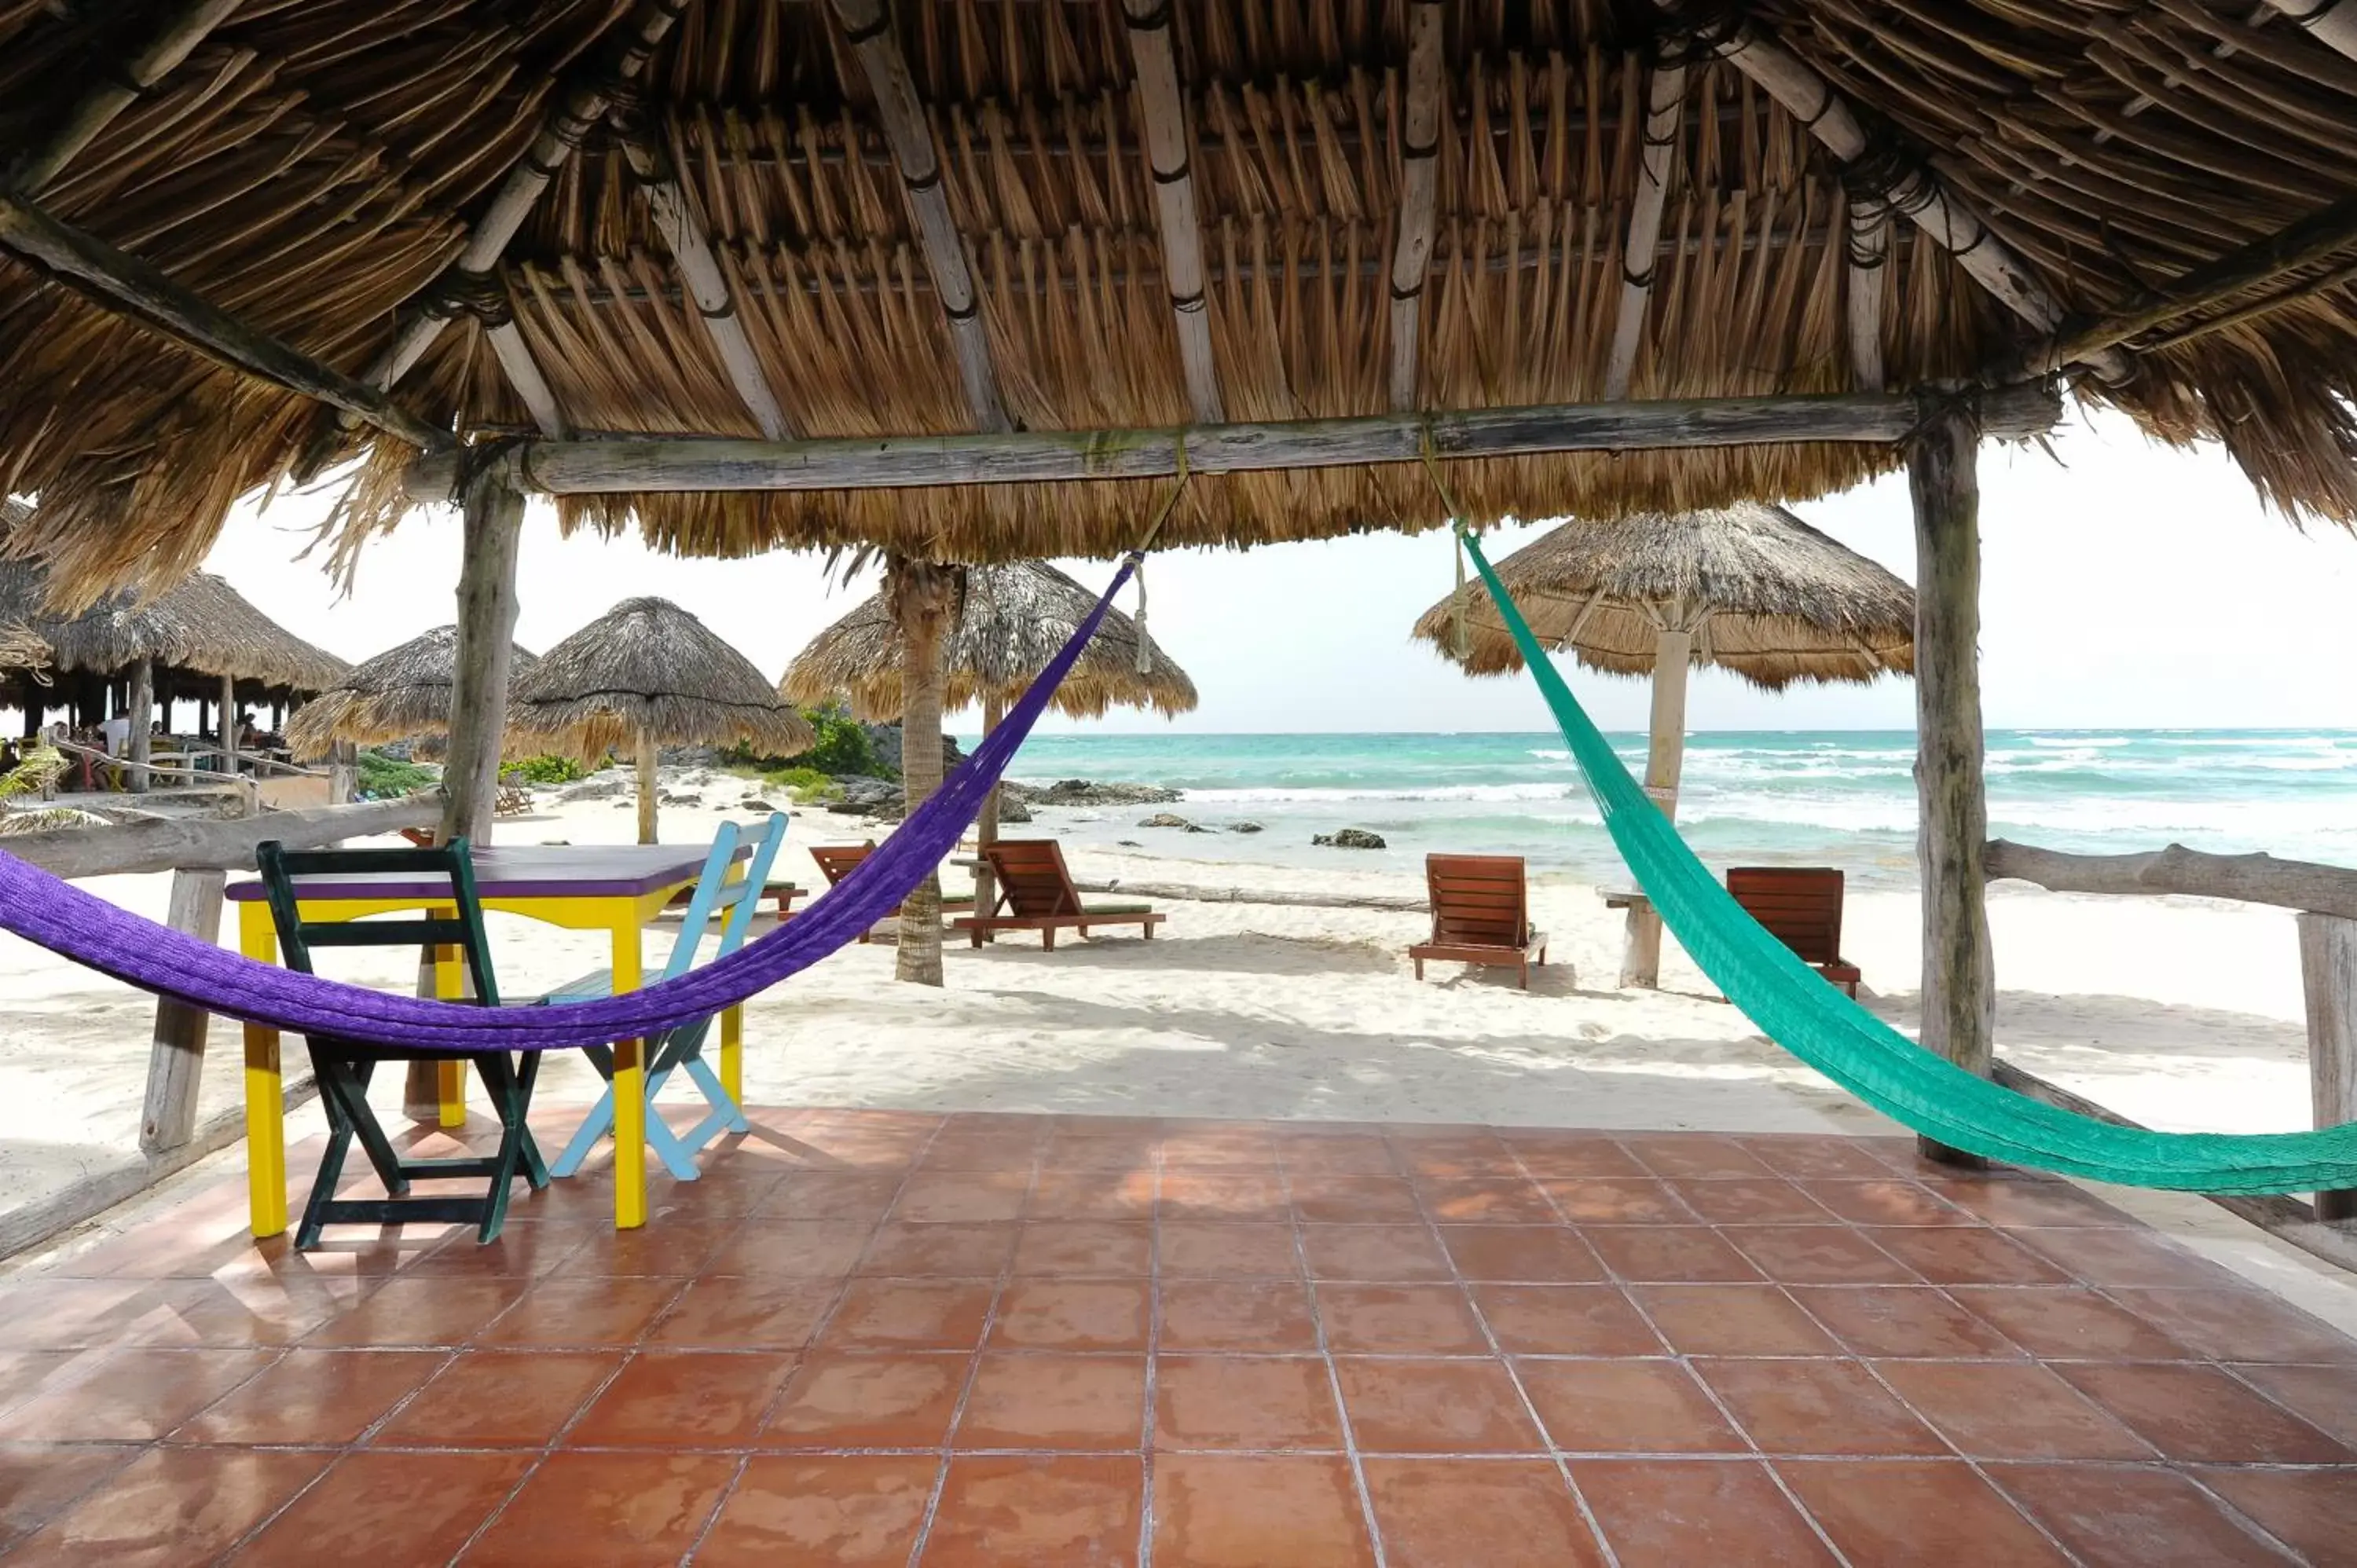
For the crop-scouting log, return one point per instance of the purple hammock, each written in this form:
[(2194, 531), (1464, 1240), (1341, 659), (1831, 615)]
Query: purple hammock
[(81, 926)]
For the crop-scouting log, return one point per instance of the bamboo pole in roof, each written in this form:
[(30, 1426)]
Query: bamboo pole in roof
[(1870, 272), (623, 466), (1419, 195), (175, 37), (682, 227), (1664, 123), (900, 111), (132, 289), (2332, 22), (1164, 116)]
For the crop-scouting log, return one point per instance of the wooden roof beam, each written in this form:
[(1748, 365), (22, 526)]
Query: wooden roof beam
[(2332, 22), (625, 467), (901, 113), (1870, 272), (174, 38), (1167, 151), (681, 226), (2315, 238), (1903, 183), (1665, 116), (130, 288), (1419, 171)]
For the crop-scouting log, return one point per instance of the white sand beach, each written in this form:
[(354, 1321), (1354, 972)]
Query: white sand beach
[(2181, 1013)]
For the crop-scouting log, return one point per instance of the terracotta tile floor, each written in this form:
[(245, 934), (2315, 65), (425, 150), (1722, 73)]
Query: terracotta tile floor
[(885, 1338)]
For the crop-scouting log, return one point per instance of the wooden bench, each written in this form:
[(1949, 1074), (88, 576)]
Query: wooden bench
[(1802, 907), (1481, 914)]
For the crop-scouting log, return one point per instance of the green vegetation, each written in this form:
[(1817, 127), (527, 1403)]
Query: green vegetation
[(382, 777), (804, 784), (543, 770), (843, 751)]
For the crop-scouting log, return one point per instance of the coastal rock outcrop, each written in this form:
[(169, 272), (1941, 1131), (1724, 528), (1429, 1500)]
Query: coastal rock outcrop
[(1173, 819), (1084, 792), (1349, 838)]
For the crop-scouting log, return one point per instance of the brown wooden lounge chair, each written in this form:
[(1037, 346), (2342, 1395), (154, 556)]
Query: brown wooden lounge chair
[(1481, 914), (1038, 896), (836, 861), (1802, 907)]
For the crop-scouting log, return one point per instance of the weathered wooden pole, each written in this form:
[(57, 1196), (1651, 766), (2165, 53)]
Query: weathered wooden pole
[(1666, 745), (228, 723), (479, 707), (649, 788), (2328, 970), (143, 719), (486, 634), (1959, 972), (985, 826), (176, 1059), (923, 596)]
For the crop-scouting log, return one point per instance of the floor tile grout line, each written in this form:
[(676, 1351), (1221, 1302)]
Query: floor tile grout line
[(1969, 1462), (1146, 1509), (1342, 1420), (923, 1539)]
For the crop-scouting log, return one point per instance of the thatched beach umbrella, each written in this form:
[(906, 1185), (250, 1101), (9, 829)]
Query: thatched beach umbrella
[(1011, 623), (20, 649), (400, 694), (1749, 588), (644, 675)]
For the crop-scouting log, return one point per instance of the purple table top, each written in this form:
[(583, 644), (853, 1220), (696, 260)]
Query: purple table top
[(537, 871)]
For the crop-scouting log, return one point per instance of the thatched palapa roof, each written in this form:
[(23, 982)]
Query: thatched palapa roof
[(1766, 595), (201, 625), (1006, 259), (403, 692), (648, 666), (1013, 621), (21, 650)]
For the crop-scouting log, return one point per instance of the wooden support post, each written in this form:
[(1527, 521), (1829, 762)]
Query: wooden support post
[(486, 618), (985, 826), (1665, 118), (1167, 147), (343, 772), (923, 596), (229, 725), (1419, 175), (649, 786), (176, 1059), (1869, 272), (141, 749), (1641, 964), (1959, 972), (2327, 972)]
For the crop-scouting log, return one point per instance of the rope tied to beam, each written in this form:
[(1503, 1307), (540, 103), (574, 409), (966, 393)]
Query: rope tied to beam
[(458, 292), (1162, 511), (1461, 634)]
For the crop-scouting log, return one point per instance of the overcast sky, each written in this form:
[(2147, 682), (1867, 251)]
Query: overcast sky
[(2125, 584)]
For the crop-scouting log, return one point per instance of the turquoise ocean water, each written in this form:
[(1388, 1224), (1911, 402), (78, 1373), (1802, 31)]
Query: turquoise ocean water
[(1794, 797)]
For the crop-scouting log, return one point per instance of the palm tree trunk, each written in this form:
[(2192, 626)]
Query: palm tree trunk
[(985, 826), (923, 596), (649, 788)]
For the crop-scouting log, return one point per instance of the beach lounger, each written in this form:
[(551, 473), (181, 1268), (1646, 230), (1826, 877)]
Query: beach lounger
[(343, 1067), (1802, 907), (1038, 895), (1481, 914), (835, 861)]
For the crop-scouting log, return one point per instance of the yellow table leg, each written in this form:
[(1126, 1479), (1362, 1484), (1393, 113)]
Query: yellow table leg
[(265, 1101), (630, 1094), (449, 985), (732, 1053)]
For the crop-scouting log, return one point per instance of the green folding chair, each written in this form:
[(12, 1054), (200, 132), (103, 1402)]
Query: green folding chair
[(343, 1066)]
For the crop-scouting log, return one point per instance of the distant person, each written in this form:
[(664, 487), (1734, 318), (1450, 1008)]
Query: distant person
[(248, 736), (114, 735)]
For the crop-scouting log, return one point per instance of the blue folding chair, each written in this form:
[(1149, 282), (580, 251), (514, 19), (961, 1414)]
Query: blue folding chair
[(681, 1049)]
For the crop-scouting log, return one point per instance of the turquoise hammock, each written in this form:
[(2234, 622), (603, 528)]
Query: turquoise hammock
[(1865, 1056)]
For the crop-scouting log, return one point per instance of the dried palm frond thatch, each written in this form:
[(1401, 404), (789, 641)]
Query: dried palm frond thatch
[(294, 173), (20, 649), (1759, 591), (647, 674), (403, 693), (1014, 619), (200, 625)]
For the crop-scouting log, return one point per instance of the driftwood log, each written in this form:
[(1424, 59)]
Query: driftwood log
[(2188, 873), (212, 845)]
